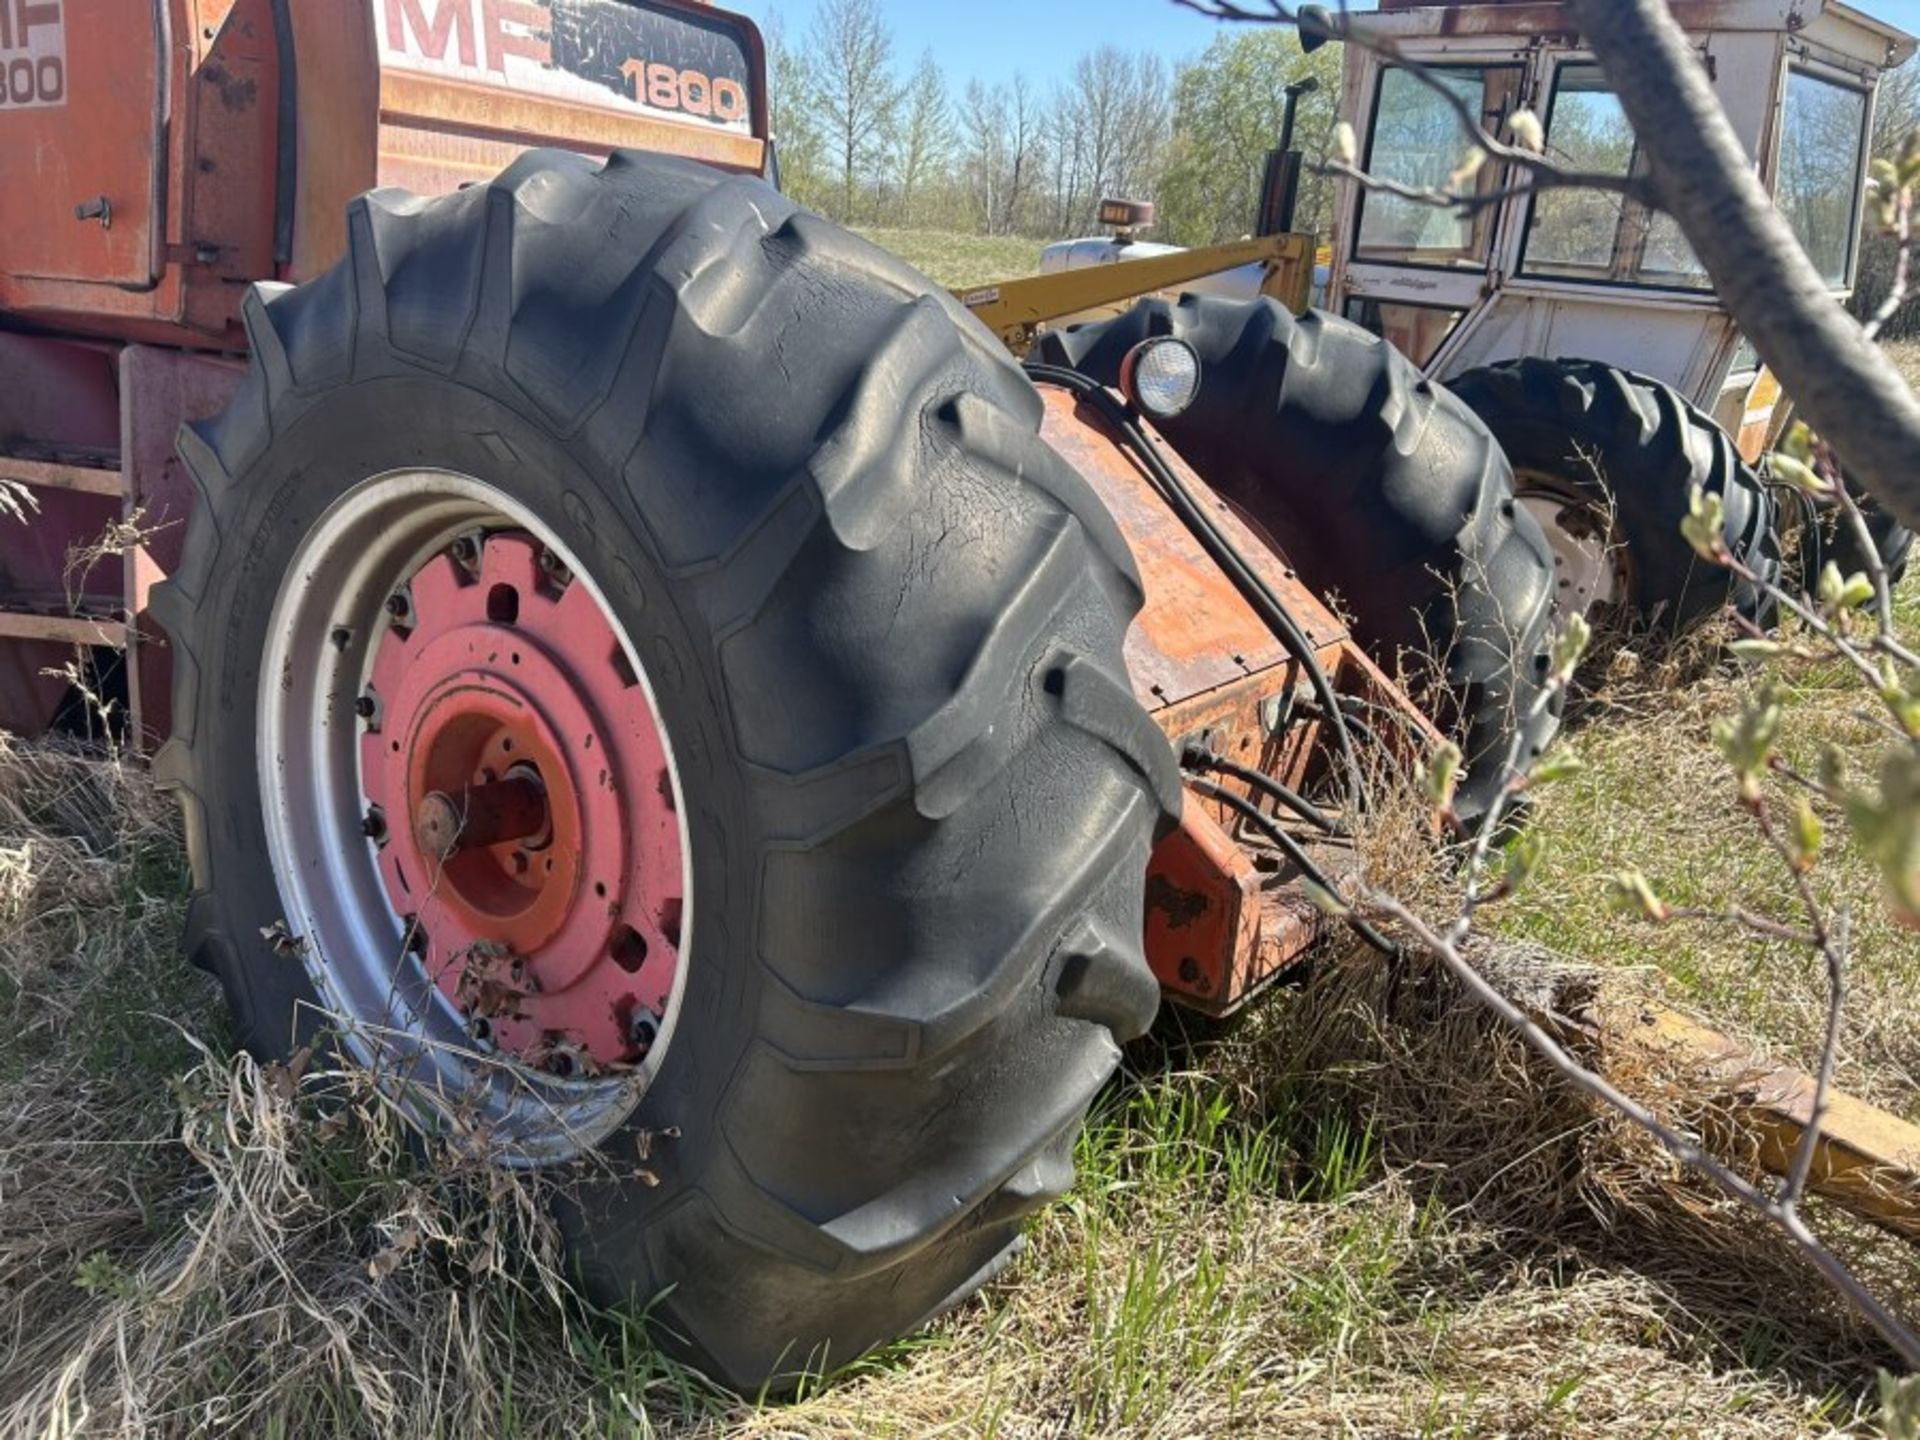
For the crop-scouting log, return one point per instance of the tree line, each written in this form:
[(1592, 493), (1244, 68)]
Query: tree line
[(870, 139)]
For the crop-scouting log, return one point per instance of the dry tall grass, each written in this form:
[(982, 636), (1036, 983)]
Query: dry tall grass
[(1362, 1212)]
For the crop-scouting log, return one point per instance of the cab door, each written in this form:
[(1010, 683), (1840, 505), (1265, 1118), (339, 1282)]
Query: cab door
[(1412, 270)]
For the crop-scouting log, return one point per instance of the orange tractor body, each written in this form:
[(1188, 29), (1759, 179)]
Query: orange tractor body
[(163, 156)]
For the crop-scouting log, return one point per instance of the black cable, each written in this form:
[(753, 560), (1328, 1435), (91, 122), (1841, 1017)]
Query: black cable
[(1367, 733), (1224, 553), (1198, 757), (1292, 849)]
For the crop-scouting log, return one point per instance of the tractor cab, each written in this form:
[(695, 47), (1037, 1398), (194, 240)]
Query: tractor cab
[(1581, 271)]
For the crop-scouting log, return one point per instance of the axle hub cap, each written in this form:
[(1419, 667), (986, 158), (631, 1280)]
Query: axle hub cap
[(518, 786)]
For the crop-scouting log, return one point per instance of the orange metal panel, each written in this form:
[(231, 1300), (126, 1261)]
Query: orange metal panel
[(1226, 912), (202, 80), (437, 134), (232, 125), (81, 101), (1220, 927), (336, 132)]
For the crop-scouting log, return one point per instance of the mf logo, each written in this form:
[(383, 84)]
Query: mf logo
[(469, 31), (33, 54)]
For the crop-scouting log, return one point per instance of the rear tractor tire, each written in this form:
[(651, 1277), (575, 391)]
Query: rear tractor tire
[(638, 660), (1379, 487), (1607, 461), (1826, 536)]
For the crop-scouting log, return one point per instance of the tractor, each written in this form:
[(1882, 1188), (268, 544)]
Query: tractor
[(649, 676), (1577, 324)]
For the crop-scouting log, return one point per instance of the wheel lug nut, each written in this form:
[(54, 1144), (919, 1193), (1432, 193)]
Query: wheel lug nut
[(364, 707), (374, 826), (643, 1032), (481, 1029)]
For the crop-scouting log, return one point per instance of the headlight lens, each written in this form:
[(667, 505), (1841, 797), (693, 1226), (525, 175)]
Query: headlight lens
[(1161, 377)]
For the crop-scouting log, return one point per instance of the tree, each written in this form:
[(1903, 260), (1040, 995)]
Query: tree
[(984, 115), (794, 115), (1125, 108), (1023, 152), (926, 135), (853, 51), (1227, 113), (1066, 139), (1868, 418), (1005, 154), (1896, 115), (1896, 109)]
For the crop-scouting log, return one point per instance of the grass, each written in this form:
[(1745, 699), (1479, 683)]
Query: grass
[(960, 261), (1361, 1212)]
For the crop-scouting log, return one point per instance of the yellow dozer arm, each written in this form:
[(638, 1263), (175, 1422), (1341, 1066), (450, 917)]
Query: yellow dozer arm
[(1015, 309)]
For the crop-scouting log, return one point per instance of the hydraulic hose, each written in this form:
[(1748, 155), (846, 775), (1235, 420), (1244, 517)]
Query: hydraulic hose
[(1292, 849), (1271, 608)]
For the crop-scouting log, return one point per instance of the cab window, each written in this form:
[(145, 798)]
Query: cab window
[(1586, 234), (1822, 136), (1416, 140)]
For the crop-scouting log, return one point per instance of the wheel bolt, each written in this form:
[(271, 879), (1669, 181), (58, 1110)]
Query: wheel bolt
[(481, 1029), (364, 707), (374, 826), (398, 606)]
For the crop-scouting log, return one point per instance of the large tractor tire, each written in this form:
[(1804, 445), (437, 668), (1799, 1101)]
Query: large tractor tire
[(642, 680), (1828, 537), (1379, 487), (1608, 461)]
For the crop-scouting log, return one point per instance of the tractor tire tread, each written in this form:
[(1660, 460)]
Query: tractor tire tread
[(1638, 448)]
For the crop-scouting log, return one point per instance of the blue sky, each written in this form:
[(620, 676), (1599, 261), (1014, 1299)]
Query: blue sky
[(993, 38)]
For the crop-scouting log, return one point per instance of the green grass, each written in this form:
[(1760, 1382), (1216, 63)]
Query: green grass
[(961, 261), (1656, 796)]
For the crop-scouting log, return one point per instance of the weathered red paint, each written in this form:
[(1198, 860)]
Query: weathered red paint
[(1225, 911), (174, 154), (559, 930)]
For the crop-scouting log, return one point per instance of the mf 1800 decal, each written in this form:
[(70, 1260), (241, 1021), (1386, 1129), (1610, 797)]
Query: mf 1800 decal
[(33, 54), (618, 53)]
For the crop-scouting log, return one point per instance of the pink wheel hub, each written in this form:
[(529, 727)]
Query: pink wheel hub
[(519, 788)]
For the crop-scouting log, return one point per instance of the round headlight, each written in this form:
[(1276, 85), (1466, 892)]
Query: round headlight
[(1161, 377)]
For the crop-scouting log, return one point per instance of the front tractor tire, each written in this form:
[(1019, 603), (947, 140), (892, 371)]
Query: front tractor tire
[(641, 677), (1380, 488), (1608, 461)]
